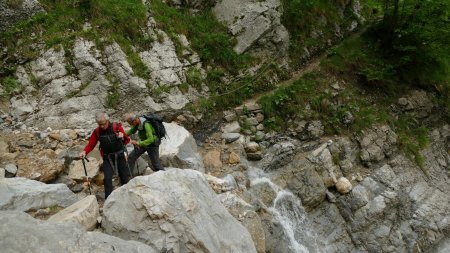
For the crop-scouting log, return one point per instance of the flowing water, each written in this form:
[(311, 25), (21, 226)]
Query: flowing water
[(287, 210)]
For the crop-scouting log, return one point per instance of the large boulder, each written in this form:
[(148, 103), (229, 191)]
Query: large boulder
[(174, 211), (84, 212), (179, 149), (22, 233), (22, 194)]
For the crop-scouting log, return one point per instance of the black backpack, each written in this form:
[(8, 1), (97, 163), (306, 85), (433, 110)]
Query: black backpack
[(157, 124)]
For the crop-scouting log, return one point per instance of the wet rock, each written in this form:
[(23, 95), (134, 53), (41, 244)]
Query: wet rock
[(308, 186)]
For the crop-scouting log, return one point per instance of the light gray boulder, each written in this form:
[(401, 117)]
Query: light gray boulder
[(23, 194), (22, 233), (84, 212), (179, 149), (174, 211)]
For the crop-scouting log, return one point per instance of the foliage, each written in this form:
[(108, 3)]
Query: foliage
[(416, 41), (9, 85)]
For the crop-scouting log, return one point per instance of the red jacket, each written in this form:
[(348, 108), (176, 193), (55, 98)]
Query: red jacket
[(94, 139)]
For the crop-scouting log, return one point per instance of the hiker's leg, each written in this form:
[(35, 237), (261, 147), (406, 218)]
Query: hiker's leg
[(122, 168), (108, 174), (153, 154), (134, 155)]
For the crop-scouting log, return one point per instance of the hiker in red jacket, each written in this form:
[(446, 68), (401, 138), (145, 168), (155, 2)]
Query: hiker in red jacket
[(112, 140)]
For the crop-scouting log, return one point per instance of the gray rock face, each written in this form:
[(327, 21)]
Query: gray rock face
[(254, 23), (13, 11), (22, 194), (49, 66), (22, 233), (174, 211), (179, 149), (376, 144)]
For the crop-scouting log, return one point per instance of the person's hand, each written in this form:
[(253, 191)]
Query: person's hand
[(82, 154), (135, 143), (120, 135)]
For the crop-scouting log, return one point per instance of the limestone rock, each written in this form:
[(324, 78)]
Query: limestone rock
[(42, 166), (231, 137), (174, 210), (84, 212), (343, 185), (22, 194), (234, 158), (220, 185), (23, 233), (245, 214), (179, 149), (12, 12), (212, 159), (233, 127), (254, 23), (76, 170)]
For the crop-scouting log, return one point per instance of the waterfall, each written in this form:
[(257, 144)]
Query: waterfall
[(288, 211)]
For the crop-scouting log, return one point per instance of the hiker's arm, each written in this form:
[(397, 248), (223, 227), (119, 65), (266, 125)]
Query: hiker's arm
[(149, 134), (92, 143), (126, 138), (132, 130)]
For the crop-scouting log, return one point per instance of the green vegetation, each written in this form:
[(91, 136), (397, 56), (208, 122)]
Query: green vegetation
[(63, 21), (208, 37), (9, 85)]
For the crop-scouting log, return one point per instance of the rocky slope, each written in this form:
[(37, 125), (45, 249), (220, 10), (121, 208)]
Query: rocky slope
[(238, 188)]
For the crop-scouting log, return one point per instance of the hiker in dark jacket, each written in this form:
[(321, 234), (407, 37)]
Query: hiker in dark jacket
[(112, 139), (149, 142)]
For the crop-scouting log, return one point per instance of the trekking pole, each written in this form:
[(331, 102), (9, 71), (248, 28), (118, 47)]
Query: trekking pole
[(126, 160), (85, 172)]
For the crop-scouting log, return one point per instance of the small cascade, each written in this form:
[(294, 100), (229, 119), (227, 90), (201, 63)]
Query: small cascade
[(288, 211)]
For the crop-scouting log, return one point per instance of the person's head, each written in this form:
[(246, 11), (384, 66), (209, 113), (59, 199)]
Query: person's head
[(131, 118), (102, 120)]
